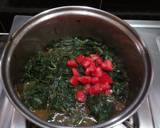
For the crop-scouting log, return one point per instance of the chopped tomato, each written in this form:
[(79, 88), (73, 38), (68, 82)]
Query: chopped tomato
[(85, 80), (80, 96), (86, 88), (90, 69), (107, 65), (94, 56), (80, 58), (75, 72), (74, 81), (86, 62), (95, 89), (97, 72), (104, 87), (99, 61), (72, 63), (105, 78), (94, 80)]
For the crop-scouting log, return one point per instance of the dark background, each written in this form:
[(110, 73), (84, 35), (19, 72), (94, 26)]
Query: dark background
[(125, 9)]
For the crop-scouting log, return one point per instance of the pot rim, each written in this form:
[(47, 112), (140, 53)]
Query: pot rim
[(13, 42)]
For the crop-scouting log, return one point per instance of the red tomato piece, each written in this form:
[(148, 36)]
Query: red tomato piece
[(80, 58), (104, 87), (90, 69), (94, 80), (97, 72), (80, 96), (94, 56), (94, 90), (85, 80), (105, 78), (99, 61), (75, 72), (107, 65), (74, 81), (86, 62), (86, 88), (72, 63), (93, 64)]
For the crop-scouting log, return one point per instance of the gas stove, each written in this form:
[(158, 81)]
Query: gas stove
[(147, 115)]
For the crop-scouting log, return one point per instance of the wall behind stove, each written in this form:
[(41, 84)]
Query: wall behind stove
[(126, 9)]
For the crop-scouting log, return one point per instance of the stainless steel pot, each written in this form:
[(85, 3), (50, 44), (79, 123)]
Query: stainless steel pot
[(72, 21)]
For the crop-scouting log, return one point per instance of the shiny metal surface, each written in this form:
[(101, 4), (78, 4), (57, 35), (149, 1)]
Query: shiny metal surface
[(6, 112), (3, 38), (17, 118), (144, 24), (145, 115), (148, 114), (151, 38), (9, 117)]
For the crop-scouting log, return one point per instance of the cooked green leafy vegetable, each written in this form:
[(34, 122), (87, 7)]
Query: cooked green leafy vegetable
[(46, 84)]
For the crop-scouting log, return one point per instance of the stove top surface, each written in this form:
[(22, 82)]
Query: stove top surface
[(147, 115)]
